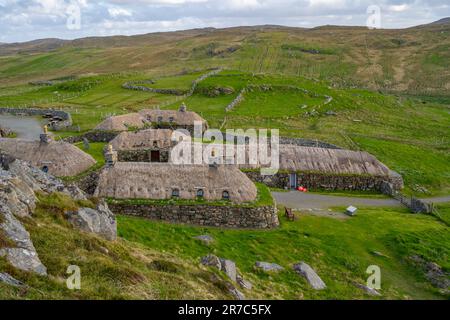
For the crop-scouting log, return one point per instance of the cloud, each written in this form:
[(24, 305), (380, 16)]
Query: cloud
[(22, 20), (117, 12)]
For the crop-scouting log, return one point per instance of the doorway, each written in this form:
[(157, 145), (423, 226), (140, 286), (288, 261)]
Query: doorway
[(293, 181), (155, 156)]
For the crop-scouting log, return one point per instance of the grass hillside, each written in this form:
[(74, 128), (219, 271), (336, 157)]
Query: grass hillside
[(413, 60), (339, 250), (157, 260), (410, 135), (109, 270)]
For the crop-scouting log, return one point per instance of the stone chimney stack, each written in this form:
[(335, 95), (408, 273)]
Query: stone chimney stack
[(111, 156), (183, 107), (45, 137)]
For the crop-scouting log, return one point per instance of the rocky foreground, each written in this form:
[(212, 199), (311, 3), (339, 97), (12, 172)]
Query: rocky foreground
[(19, 184)]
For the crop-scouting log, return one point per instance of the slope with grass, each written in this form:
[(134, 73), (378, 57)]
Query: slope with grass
[(339, 250), (109, 270), (410, 60)]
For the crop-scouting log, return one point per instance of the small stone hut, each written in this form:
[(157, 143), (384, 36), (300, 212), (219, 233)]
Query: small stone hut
[(151, 145), (323, 168), (59, 158), (161, 119), (139, 180)]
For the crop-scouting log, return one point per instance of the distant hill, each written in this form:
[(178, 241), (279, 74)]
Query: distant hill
[(441, 21), (413, 59)]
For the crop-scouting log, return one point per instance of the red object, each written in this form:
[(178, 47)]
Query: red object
[(302, 189)]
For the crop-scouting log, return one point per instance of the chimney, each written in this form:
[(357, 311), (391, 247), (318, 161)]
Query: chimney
[(183, 107), (110, 156), (45, 137)]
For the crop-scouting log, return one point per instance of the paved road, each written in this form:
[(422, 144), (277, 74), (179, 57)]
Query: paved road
[(299, 200), (437, 199)]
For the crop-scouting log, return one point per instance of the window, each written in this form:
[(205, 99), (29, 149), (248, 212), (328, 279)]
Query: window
[(175, 193), (149, 118), (160, 119), (45, 169), (226, 195), (155, 144), (171, 119), (200, 193)]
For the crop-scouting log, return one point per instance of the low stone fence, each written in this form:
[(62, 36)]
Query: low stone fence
[(307, 143), (236, 101), (264, 217), (411, 202), (93, 136), (322, 181), (56, 125)]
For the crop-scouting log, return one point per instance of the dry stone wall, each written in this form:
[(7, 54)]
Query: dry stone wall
[(264, 217)]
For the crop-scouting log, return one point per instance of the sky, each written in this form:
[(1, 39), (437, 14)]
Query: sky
[(24, 20)]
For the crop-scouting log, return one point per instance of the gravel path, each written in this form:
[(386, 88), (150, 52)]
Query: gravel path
[(300, 200)]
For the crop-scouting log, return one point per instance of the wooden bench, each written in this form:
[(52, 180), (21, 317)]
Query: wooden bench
[(289, 214)]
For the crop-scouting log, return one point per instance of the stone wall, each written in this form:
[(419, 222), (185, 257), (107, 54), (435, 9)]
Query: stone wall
[(325, 181), (307, 143), (204, 215), (93, 136), (58, 125), (143, 155)]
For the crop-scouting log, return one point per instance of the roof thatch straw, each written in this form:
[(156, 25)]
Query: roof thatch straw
[(295, 158), (122, 122), (337, 161), (62, 159), (143, 139), (126, 180), (182, 118), (138, 120)]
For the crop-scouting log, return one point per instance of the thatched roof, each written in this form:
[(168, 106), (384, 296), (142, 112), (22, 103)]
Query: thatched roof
[(62, 159), (311, 159), (127, 180), (143, 139), (124, 122), (182, 118), (121, 123), (338, 161)]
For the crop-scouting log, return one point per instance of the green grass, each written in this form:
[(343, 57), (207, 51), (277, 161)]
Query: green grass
[(109, 270), (339, 250), (408, 135)]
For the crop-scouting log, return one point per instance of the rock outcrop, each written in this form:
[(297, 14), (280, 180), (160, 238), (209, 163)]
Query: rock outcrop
[(268, 267), (310, 275), (100, 221), (8, 279), (21, 253), (19, 182)]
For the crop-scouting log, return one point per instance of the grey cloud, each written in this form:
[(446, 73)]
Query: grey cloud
[(22, 20)]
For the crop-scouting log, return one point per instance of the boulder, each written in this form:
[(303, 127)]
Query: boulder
[(100, 221), (268, 267), (22, 253), (24, 259), (229, 267), (206, 239), (236, 294), (16, 194), (8, 279), (244, 284), (310, 275), (369, 291), (211, 261)]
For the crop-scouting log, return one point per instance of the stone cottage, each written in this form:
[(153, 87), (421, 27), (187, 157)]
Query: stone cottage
[(58, 158), (151, 145), (160, 119), (159, 181), (324, 168)]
